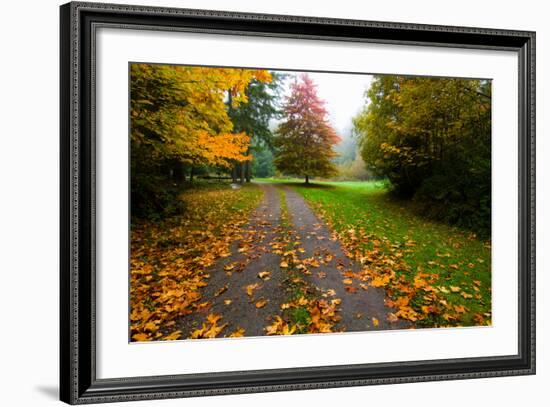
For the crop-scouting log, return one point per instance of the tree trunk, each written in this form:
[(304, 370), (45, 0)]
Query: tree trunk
[(234, 174), (248, 171), (242, 172), (191, 174), (307, 179), (178, 172)]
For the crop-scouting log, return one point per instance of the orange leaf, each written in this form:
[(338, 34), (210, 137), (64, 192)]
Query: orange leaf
[(261, 303)]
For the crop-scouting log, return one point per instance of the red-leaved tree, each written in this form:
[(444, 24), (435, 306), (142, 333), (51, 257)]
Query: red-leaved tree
[(304, 140)]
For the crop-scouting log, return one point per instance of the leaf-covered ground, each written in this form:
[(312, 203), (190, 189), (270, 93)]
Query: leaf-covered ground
[(433, 274), (282, 258), (170, 260)]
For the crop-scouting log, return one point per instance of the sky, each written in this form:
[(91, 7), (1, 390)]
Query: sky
[(344, 96)]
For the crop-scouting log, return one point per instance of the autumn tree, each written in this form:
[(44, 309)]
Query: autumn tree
[(431, 137), (178, 121), (305, 139)]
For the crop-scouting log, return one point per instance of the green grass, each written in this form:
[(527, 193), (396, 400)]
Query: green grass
[(456, 258)]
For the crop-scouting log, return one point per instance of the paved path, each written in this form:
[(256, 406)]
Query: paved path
[(230, 278), (237, 293), (359, 306)]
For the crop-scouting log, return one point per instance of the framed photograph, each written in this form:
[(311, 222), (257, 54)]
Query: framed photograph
[(255, 203)]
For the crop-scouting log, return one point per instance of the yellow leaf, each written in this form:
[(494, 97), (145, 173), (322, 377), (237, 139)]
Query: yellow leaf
[(173, 336), (336, 301), (250, 289), (238, 333), (375, 321), (303, 301), (454, 289), (380, 281), (221, 290), (141, 337), (227, 302), (261, 303), (214, 331), (151, 326), (287, 330), (264, 275), (283, 264), (347, 281), (213, 318)]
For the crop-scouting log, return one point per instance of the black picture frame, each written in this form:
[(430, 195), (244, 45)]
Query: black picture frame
[(78, 382)]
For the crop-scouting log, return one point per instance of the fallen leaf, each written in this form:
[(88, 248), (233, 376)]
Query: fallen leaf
[(213, 318), (229, 267), (238, 333), (221, 290), (250, 289), (141, 337), (392, 317), (454, 289), (264, 275), (173, 336), (375, 321), (261, 303), (302, 301)]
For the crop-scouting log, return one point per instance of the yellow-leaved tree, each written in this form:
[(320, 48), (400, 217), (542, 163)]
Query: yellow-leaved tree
[(179, 121)]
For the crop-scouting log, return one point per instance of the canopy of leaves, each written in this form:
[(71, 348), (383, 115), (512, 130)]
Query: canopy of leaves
[(431, 137), (179, 119), (180, 111), (304, 140)]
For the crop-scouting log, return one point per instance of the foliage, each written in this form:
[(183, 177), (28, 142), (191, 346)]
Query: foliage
[(353, 170), (262, 161), (179, 119), (304, 140), (254, 116), (431, 137)]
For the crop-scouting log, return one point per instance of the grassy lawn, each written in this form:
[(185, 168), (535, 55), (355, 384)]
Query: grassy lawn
[(434, 274)]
